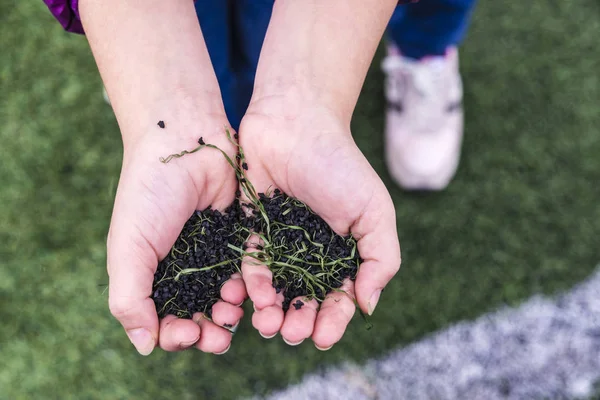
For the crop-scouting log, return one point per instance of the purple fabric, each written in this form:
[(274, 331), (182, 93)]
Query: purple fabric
[(67, 13)]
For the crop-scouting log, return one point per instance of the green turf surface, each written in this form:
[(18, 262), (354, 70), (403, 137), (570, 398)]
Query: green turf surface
[(522, 216)]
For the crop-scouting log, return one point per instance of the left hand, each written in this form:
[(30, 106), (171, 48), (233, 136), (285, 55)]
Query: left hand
[(308, 152)]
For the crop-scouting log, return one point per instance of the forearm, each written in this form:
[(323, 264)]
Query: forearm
[(153, 61), (321, 50)]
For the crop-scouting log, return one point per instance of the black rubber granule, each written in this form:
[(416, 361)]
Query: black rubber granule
[(201, 141), (324, 241), (298, 304), (161, 124), (202, 242)]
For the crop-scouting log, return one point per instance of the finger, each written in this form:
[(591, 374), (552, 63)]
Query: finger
[(299, 321), (258, 278), (140, 231), (177, 334), (226, 315), (336, 312), (130, 262), (268, 321), (379, 248), (213, 338), (234, 290), (259, 283)]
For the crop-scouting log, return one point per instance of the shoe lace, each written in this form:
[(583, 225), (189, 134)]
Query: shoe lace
[(417, 88)]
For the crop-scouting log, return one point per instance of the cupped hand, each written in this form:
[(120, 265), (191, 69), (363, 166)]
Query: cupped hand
[(153, 202), (308, 152)]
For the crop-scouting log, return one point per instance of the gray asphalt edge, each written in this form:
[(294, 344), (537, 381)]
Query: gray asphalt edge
[(547, 348)]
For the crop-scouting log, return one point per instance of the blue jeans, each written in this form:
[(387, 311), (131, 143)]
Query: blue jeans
[(429, 27), (234, 31)]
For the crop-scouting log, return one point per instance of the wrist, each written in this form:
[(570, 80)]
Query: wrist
[(151, 143), (294, 96), (185, 113), (293, 116)]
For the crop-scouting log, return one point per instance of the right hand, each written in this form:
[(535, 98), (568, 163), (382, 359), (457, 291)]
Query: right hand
[(153, 202)]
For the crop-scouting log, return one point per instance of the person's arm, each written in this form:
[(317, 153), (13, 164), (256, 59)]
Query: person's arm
[(321, 49), (153, 61), (296, 136)]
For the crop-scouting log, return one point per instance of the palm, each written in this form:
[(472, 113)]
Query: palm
[(153, 202), (313, 158)]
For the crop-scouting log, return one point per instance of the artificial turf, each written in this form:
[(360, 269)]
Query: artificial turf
[(522, 216)]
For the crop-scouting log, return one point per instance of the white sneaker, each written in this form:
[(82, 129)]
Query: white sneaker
[(424, 119)]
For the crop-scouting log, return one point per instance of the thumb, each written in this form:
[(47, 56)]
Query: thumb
[(132, 262), (131, 266), (379, 248)]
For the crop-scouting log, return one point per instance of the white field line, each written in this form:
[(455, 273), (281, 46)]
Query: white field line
[(544, 349)]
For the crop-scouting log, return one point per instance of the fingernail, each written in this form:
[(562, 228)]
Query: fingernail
[(323, 348), (188, 344), (233, 329), (268, 337), (373, 301), (224, 351), (292, 344), (142, 340)]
